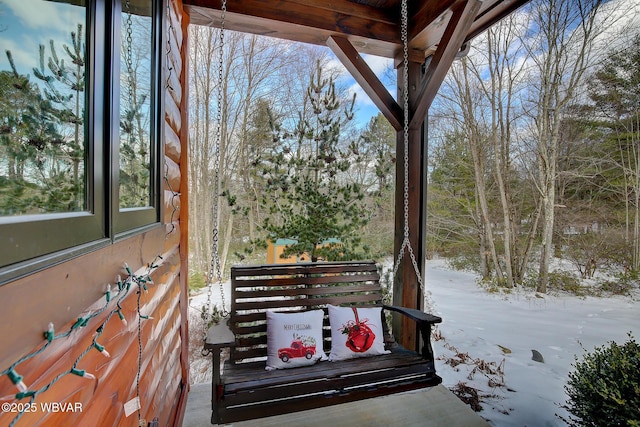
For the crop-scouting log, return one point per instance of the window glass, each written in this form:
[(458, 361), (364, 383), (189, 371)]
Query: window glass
[(43, 153), (135, 183)]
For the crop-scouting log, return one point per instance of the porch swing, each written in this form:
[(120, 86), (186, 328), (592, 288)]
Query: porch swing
[(244, 389)]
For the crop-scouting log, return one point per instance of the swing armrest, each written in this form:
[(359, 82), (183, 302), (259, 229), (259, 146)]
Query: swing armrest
[(219, 337), (424, 322), (415, 315)]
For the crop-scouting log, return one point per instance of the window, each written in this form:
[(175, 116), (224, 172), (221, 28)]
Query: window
[(137, 195), (43, 125), (67, 104)]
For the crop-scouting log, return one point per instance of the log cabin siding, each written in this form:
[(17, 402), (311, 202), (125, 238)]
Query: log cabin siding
[(62, 293)]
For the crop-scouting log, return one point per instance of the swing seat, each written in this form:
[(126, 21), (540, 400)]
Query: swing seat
[(242, 388)]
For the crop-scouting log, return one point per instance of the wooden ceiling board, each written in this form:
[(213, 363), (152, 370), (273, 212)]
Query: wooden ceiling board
[(372, 26)]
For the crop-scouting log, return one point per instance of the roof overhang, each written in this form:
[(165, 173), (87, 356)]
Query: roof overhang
[(372, 26)]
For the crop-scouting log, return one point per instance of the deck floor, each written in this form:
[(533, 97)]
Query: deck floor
[(433, 407)]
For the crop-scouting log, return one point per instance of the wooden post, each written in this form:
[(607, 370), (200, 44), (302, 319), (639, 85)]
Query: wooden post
[(424, 81), (406, 288)]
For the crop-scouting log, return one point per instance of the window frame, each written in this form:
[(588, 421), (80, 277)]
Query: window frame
[(130, 221), (31, 243)]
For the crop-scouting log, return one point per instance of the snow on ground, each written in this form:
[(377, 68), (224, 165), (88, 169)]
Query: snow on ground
[(478, 323), (198, 300)]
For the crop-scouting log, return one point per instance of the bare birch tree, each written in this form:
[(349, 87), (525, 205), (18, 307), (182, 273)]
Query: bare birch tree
[(560, 53), (203, 75), (476, 136), (485, 87)]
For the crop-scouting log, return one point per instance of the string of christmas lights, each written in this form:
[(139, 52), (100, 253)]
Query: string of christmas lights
[(123, 288)]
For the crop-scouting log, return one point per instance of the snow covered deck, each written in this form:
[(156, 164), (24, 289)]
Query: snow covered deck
[(433, 407)]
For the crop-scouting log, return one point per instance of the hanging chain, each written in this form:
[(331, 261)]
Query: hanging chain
[(216, 166), (130, 95), (129, 60), (175, 195), (406, 243), (214, 265)]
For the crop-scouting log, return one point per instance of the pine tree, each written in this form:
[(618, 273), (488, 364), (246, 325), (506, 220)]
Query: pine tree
[(17, 98), (62, 109), (43, 159), (308, 194)]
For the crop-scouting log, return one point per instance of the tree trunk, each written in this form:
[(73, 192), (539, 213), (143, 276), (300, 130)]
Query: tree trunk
[(477, 153), (226, 243), (567, 33)]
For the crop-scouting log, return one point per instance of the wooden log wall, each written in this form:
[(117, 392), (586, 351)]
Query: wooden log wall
[(156, 319)]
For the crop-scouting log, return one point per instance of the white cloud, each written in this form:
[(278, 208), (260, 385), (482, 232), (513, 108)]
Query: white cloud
[(30, 23), (24, 52), (378, 64), (621, 18), (362, 99), (381, 68), (335, 66), (38, 14)]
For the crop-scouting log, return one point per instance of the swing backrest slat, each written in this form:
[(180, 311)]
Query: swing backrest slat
[(297, 287)]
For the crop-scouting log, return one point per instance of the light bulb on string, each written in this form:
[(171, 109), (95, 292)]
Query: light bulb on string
[(82, 373), (81, 322), (101, 349), (50, 334), (122, 318), (16, 379)]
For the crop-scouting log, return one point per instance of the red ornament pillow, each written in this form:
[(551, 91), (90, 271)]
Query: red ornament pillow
[(294, 339), (355, 332)]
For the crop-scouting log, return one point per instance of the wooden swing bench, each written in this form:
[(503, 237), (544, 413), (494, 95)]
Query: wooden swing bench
[(243, 389)]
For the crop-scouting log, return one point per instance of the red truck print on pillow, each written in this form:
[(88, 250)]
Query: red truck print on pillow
[(298, 348)]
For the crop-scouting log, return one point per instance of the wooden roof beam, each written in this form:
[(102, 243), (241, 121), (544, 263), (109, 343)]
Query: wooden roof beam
[(366, 78), (340, 17), (492, 15), (427, 15), (464, 13)]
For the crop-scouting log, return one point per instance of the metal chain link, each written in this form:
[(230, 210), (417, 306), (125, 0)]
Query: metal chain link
[(175, 195), (406, 243), (131, 78), (214, 265), (129, 55)]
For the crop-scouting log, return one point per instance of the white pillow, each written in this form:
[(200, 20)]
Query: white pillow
[(294, 339), (355, 332)]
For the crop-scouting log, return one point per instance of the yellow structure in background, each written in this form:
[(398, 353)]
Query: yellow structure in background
[(275, 251)]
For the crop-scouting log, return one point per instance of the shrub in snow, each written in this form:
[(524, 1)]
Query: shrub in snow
[(567, 282), (604, 388), (623, 284)]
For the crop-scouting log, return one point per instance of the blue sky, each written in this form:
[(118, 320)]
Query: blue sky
[(365, 109), (25, 24)]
